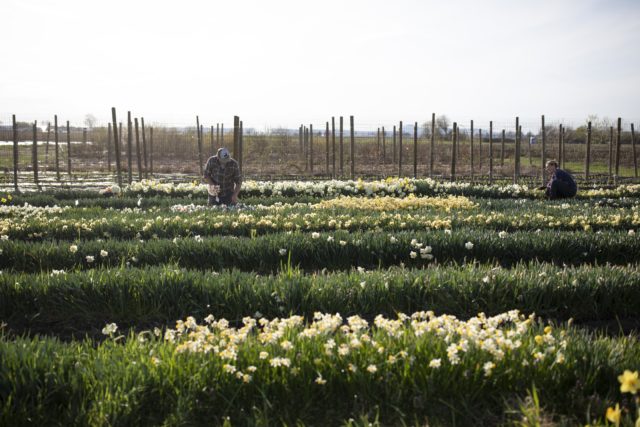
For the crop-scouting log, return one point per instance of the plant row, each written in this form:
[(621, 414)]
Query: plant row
[(338, 250), (75, 303), (93, 199), (285, 370), (332, 188), (66, 223), (389, 186)]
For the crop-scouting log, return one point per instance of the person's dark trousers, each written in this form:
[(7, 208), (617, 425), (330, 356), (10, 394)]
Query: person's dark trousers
[(560, 190), (221, 200)]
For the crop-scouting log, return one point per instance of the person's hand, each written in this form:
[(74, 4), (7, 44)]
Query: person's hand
[(213, 190)]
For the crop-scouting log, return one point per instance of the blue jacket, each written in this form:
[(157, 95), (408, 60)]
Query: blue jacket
[(563, 176)]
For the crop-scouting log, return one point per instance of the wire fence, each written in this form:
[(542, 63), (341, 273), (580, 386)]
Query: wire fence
[(337, 148)]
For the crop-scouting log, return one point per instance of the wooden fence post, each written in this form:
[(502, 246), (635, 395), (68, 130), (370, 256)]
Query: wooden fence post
[(400, 150), (618, 138), (480, 152), (300, 141), (213, 146), (326, 137), (471, 150), (46, 150), (394, 145), (215, 150), (490, 152), (379, 151), (502, 149), (530, 158), (305, 147), (384, 146), (333, 139), (151, 150), (55, 133), (352, 151), (144, 149), (519, 147), (433, 144), (15, 154), (109, 147), (341, 147), (222, 135), (415, 150), (633, 147), (199, 138), (560, 146), (610, 153), (129, 147), (241, 146), (35, 153), (564, 156), (68, 149), (516, 165), (311, 148), (138, 154), (236, 130), (543, 153), (116, 145), (121, 140), (587, 157), (454, 141)]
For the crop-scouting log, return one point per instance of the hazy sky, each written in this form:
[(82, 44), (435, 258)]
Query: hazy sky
[(286, 62)]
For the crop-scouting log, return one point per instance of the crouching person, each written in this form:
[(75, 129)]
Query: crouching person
[(561, 184), (222, 173)]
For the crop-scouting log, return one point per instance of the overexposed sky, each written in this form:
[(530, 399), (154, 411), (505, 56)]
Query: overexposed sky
[(286, 62)]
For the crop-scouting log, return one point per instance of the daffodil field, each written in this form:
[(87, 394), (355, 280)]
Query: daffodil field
[(394, 302)]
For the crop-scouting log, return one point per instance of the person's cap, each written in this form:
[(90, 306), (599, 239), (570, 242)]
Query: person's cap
[(223, 155)]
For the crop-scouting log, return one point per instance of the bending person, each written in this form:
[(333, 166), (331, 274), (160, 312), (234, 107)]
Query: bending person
[(222, 173)]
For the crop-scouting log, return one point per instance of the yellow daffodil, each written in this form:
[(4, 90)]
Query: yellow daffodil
[(613, 415), (629, 382)]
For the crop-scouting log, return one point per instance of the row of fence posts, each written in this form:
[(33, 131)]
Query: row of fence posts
[(147, 157), (34, 153), (518, 154), (306, 148), (305, 135), (144, 157)]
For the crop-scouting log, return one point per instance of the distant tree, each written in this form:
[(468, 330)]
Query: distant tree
[(90, 120), (279, 131), (600, 128), (442, 124)]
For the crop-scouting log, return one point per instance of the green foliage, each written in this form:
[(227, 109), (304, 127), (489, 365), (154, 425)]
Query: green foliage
[(80, 302), (369, 250), (141, 380), (156, 255)]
